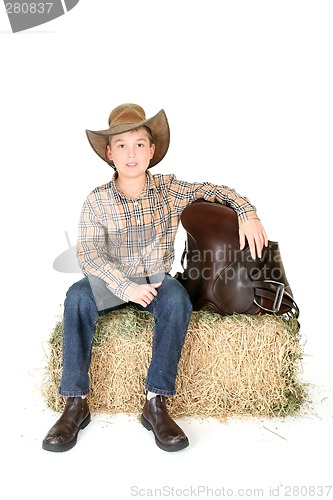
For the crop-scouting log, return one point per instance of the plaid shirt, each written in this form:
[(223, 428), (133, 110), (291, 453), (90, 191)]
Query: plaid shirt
[(120, 238)]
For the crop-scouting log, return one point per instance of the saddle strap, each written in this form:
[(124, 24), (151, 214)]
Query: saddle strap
[(275, 292)]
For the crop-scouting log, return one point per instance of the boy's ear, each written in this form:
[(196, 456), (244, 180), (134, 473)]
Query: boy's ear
[(152, 151), (108, 152)]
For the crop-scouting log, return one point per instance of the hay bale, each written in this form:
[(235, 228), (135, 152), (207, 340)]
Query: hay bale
[(230, 366)]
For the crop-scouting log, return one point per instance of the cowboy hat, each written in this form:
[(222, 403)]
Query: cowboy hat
[(128, 117)]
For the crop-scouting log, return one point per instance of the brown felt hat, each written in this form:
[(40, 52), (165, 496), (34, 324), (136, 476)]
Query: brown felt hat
[(128, 117)]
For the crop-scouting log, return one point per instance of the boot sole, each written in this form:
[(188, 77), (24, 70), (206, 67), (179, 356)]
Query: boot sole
[(172, 447), (67, 446)]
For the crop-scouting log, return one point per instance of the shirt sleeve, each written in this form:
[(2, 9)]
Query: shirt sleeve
[(185, 193), (92, 253)]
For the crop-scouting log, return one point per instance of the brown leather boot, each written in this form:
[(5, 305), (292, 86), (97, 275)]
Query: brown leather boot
[(63, 435), (168, 435)]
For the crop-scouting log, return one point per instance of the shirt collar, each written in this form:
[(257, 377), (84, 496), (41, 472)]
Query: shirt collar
[(150, 185)]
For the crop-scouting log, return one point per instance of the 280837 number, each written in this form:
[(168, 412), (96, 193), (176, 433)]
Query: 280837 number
[(307, 491), (28, 8)]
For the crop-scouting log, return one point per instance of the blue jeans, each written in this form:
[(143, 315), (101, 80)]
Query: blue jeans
[(171, 309)]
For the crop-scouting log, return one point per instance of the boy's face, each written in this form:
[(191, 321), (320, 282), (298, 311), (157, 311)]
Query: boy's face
[(131, 152)]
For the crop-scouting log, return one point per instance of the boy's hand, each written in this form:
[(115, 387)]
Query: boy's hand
[(144, 294), (253, 231)]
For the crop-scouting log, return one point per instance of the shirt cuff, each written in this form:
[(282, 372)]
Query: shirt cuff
[(123, 291), (247, 216)]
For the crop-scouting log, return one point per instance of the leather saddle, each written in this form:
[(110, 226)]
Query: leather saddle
[(220, 276)]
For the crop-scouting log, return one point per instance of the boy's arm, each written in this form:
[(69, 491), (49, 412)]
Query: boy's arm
[(185, 193), (91, 253), (250, 227)]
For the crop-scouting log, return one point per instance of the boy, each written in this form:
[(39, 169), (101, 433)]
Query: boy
[(126, 248)]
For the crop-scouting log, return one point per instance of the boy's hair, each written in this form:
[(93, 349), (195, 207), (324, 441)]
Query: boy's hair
[(147, 129)]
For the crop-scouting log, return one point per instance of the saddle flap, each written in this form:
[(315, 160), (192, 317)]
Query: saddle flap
[(212, 236), (234, 289)]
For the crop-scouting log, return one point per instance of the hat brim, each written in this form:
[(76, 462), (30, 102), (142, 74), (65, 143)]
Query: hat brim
[(158, 126)]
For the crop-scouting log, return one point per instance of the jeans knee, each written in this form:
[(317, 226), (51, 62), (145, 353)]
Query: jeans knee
[(185, 301), (80, 295), (183, 297), (179, 297)]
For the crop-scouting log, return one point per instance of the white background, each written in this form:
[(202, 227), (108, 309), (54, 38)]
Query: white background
[(247, 88)]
